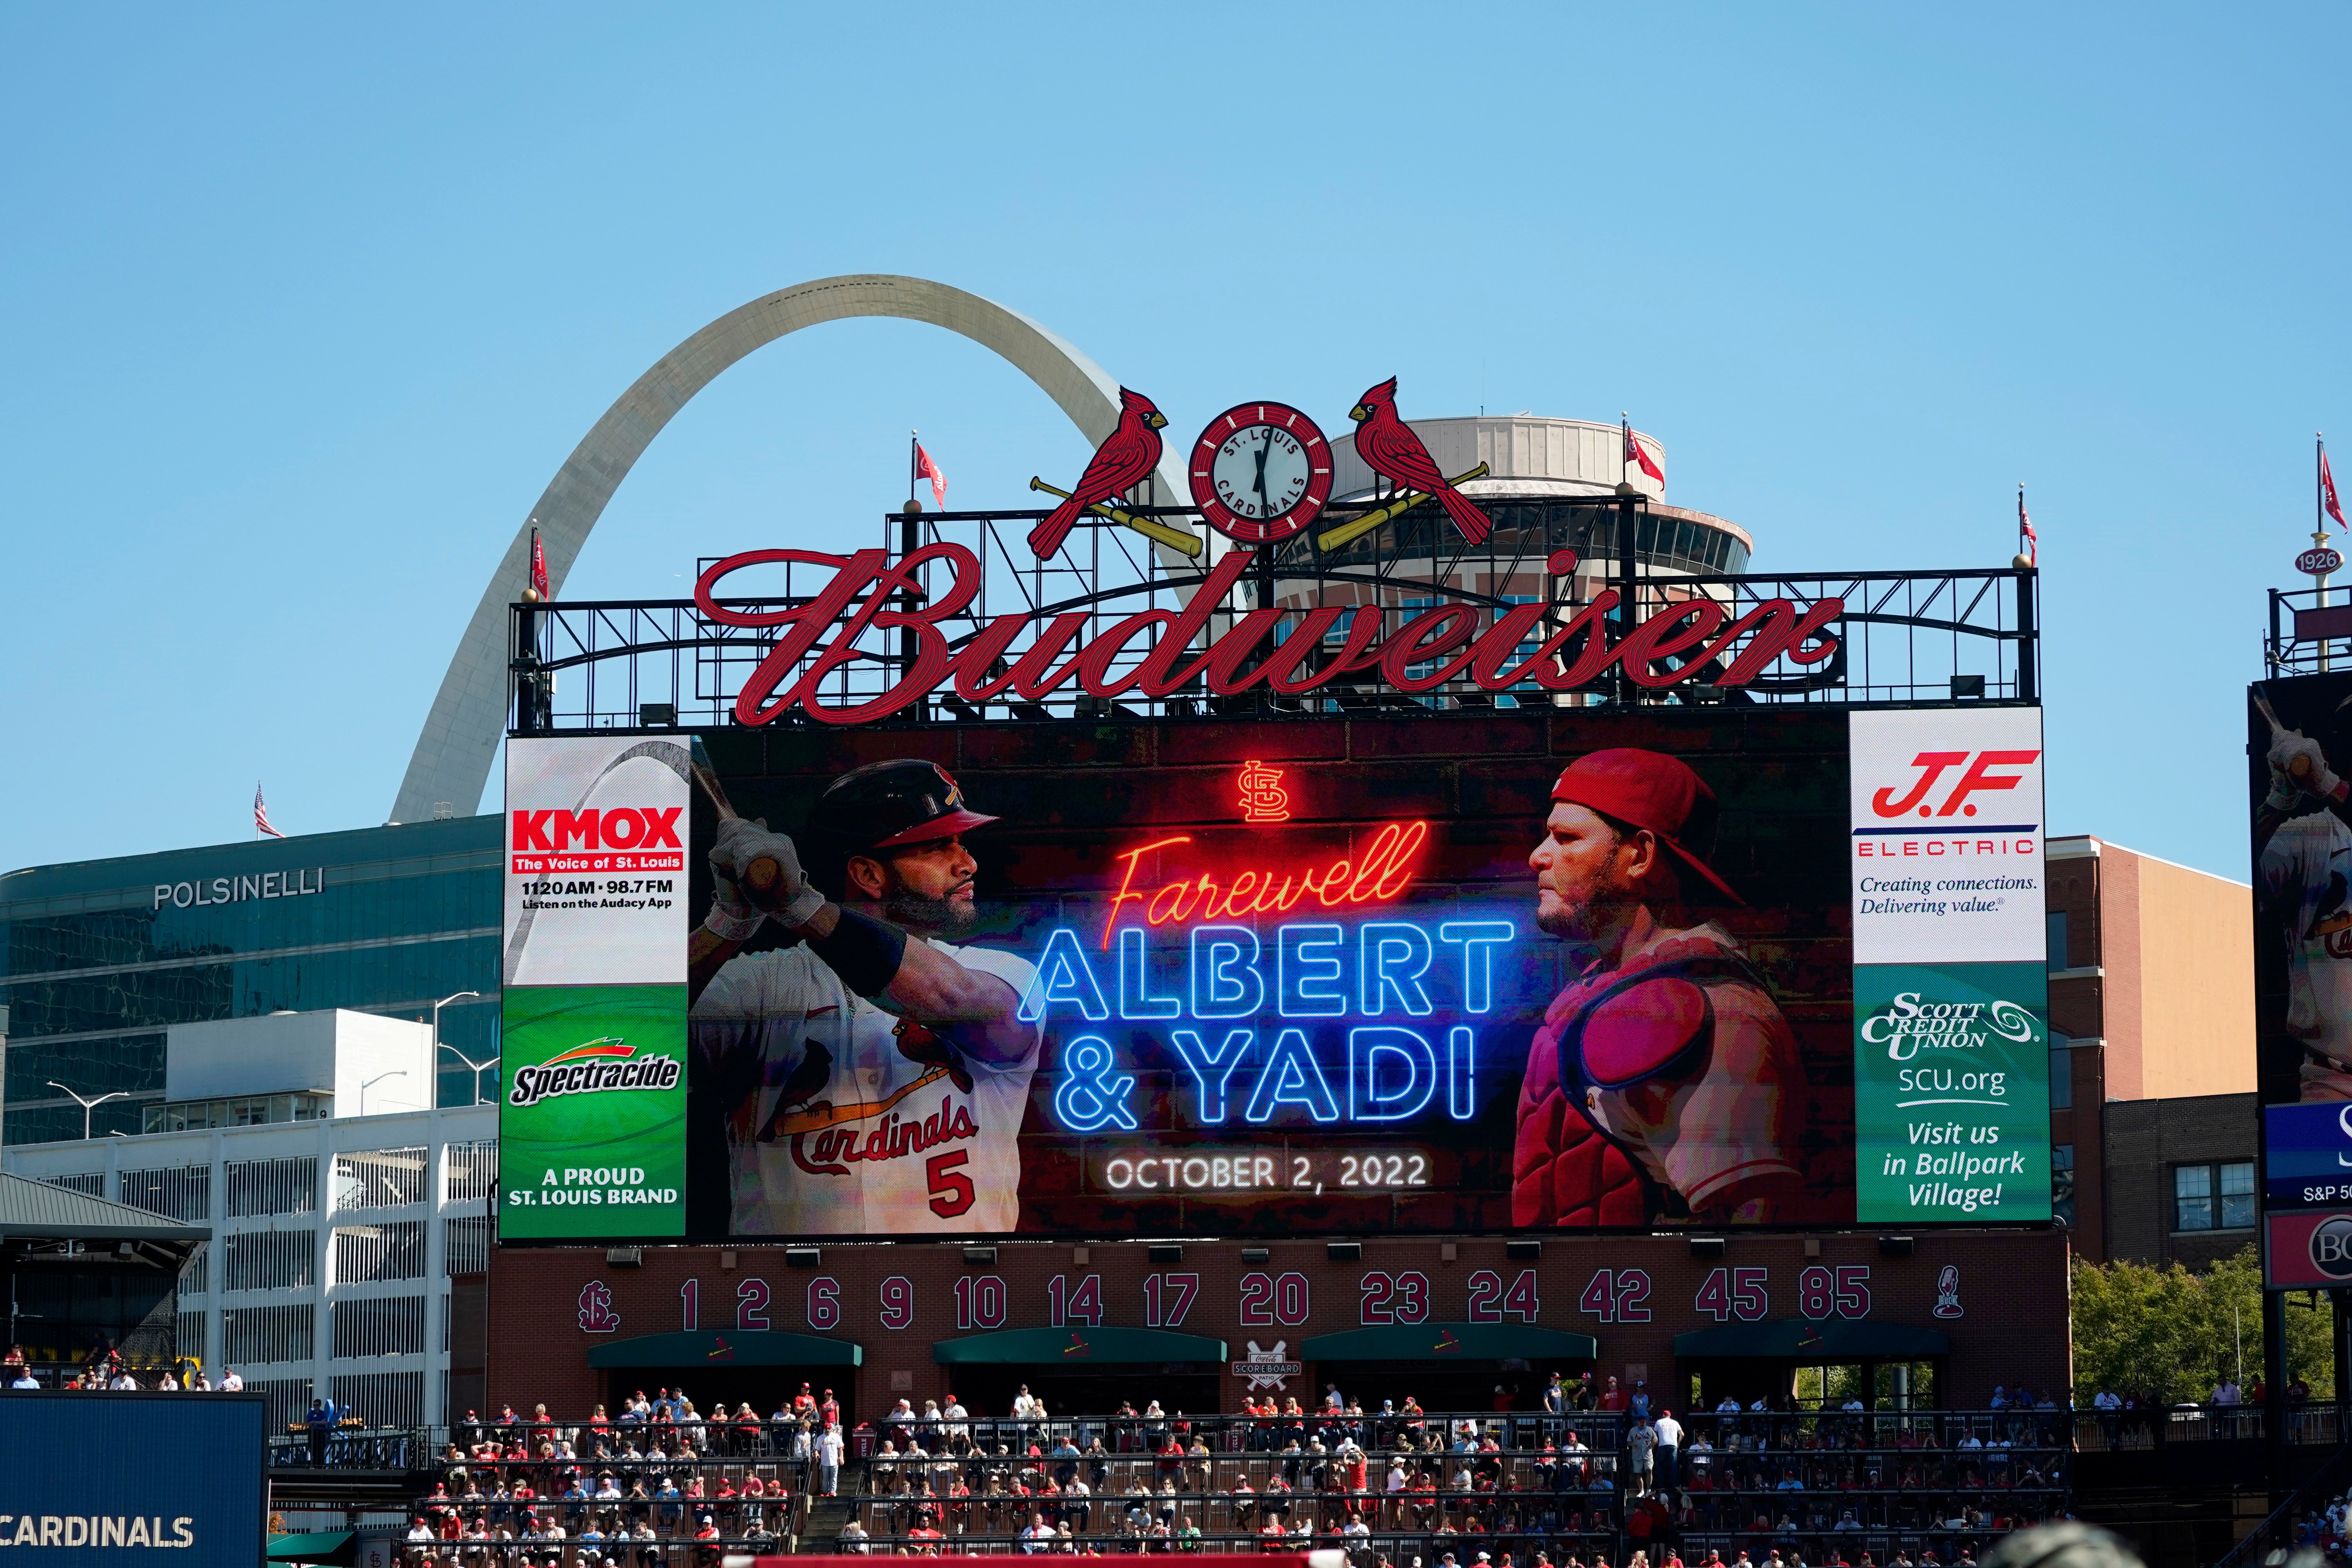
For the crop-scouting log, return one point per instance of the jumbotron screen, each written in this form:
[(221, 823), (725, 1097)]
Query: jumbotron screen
[(1531, 970)]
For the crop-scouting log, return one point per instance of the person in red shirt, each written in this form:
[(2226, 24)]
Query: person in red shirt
[(803, 1402), (828, 1410), (1613, 1397)]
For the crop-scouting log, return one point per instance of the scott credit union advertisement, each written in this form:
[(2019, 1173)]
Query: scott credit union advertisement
[(592, 1108), (1951, 979)]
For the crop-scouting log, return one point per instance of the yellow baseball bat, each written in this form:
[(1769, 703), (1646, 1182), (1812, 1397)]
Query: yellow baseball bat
[(1173, 538), (1340, 533)]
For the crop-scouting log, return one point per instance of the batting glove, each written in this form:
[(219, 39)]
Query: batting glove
[(741, 846), (2285, 752)]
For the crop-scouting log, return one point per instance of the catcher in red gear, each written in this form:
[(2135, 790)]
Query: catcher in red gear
[(1124, 460), (1665, 1082)]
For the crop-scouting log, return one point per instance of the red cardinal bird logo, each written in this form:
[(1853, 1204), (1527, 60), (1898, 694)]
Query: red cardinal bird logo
[(1391, 450), (1118, 464)]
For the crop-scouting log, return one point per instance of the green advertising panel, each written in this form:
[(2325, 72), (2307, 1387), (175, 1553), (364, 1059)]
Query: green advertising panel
[(591, 1122), (1952, 1092)]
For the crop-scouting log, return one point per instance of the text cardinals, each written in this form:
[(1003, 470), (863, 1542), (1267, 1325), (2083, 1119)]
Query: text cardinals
[(1151, 651)]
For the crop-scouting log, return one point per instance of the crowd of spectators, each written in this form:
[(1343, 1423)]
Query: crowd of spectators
[(105, 1368), (1602, 1475), (1603, 1467), (624, 1488)]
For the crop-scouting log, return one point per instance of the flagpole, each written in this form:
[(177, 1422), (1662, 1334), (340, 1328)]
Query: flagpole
[(914, 445), (2319, 522)]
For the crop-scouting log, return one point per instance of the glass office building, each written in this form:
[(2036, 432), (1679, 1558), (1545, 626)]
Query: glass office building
[(97, 958)]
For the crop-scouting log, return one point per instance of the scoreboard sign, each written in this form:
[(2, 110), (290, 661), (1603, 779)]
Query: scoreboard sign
[(1534, 971)]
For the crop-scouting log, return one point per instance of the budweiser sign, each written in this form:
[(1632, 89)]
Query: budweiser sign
[(1692, 641)]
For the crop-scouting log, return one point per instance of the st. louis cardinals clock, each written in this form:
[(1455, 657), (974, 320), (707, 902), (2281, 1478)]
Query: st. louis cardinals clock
[(1261, 471)]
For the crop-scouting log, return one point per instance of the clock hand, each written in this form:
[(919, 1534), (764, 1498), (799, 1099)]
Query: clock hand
[(1266, 450)]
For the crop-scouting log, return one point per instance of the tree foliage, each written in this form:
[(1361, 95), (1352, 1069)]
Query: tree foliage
[(2166, 1332)]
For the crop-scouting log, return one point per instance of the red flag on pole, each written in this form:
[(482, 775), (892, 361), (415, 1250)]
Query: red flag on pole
[(1639, 455), (261, 814), (2026, 530), (2328, 489), (537, 567), (927, 469)]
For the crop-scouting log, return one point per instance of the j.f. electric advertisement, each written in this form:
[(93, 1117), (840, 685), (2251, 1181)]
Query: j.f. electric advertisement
[(1533, 972), (1951, 1010)]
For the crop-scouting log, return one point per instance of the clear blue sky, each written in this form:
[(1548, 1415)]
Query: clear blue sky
[(301, 306)]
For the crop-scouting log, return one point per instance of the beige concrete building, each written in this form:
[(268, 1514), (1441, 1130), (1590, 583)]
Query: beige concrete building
[(2152, 999)]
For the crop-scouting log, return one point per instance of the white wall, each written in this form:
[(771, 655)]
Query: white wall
[(334, 1208), (332, 1052)]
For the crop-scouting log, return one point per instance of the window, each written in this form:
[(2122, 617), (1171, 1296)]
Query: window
[(2061, 1184), (2061, 1072), (2193, 1198), (273, 1187), (269, 1259), (2213, 1198), (2238, 1195), (2057, 923), (394, 1250), (473, 1170), (378, 1325)]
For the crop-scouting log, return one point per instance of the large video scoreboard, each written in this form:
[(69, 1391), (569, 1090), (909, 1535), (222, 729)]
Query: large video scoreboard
[(1338, 974)]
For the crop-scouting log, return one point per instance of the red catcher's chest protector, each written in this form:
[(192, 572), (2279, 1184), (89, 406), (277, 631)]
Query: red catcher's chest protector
[(1614, 1029)]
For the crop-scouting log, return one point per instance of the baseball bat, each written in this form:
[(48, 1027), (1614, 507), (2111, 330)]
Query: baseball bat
[(1175, 539), (1340, 533), (2297, 768), (762, 876)]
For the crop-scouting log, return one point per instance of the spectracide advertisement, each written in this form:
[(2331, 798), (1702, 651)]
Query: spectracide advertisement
[(1951, 980), (1534, 970), (592, 1118)]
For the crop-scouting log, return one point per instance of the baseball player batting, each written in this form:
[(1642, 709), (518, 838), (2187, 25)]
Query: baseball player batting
[(2302, 870), (1664, 1081), (871, 1080)]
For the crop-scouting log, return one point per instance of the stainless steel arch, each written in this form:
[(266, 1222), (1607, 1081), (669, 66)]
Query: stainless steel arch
[(453, 755)]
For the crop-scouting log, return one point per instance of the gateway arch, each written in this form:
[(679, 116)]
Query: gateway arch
[(461, 735)]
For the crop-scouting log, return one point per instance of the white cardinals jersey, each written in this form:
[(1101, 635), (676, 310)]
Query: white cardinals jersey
[(2306, 876), (852, 1121)]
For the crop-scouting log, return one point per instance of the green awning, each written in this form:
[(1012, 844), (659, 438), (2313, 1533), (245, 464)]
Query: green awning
[(1794, 1338), (1035, 1347), (1447, 1341), (728, 1347), (338, 1548)]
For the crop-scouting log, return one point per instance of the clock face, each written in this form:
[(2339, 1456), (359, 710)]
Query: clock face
[(1261, 472)]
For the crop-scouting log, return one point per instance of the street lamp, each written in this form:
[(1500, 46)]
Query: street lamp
[(478, 1068), (89, 1105), (396, 1072), (439, 1047), (452, 996)]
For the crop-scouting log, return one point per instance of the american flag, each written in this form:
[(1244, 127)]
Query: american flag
[(261, 814)]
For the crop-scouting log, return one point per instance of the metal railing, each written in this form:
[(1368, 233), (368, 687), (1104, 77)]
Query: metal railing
[(2310, 631), (2318, 1425), (356, 1448)]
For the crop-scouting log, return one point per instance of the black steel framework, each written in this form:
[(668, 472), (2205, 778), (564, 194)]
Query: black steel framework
[(2311, 631), (1903, 638)]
